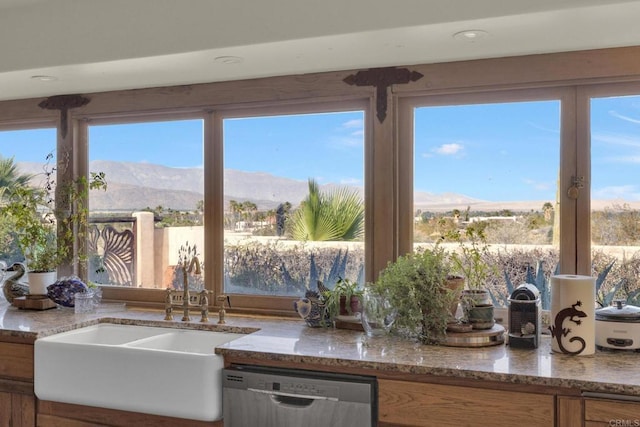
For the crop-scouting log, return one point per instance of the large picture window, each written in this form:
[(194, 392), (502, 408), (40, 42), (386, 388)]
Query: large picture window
[(489, 173), (293, 202), (151, 214)]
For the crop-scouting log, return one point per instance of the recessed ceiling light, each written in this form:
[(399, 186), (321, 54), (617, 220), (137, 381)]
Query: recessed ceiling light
[(44, 78), (470, 35), (229, 59)]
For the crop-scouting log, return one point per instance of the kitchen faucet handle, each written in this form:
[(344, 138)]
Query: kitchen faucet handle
[(222, 298)]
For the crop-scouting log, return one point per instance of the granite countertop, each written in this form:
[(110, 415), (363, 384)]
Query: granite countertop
[(290, 340)]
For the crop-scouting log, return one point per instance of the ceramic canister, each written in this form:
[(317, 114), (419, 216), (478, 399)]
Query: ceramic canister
[(573, 327)]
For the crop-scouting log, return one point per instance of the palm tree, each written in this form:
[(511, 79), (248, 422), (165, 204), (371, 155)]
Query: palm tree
[(236, 210), (336, 215), (547, 208), (10, 177), (249, 209)]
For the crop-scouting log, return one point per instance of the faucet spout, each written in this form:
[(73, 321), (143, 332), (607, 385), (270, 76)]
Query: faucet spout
[(187, 268)]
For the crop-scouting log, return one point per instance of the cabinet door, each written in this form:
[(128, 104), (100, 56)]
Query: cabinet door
[(16, 361), (404, 403), (608, 412), (570, 410), (5, 409), (17, 410)]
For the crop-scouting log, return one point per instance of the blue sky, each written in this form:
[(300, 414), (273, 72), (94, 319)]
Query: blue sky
[(497, 152), (490, 151), (615, 144), (328, 147)]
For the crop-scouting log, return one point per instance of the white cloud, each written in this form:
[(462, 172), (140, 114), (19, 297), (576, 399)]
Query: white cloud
[(624, 159), (355, 123), (625, 192), (628, 140), (347, 142), (543, 128), (625, 118), (448, 149), (354, 138), (351, 181)]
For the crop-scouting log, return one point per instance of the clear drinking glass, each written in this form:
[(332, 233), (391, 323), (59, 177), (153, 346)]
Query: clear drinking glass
[(84, 302), (378, 314)]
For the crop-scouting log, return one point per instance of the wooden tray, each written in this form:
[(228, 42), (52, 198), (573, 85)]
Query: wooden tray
[(34, 302), (476, 338), (349, 322)]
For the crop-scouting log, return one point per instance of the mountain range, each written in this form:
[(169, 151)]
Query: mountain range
[(133, 186)]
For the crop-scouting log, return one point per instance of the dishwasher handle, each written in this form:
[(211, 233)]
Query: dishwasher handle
[(290, 399)]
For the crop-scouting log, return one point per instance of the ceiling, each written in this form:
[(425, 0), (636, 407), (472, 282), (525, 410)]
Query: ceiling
[(96, 45)]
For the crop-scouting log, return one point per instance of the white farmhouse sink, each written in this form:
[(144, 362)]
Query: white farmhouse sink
[(171, 372)]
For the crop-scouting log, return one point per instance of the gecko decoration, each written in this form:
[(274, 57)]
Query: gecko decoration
[(63, 103), (382, 78), (572, 314)]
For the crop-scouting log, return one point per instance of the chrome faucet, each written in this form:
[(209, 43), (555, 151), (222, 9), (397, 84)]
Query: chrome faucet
[(202, 302)]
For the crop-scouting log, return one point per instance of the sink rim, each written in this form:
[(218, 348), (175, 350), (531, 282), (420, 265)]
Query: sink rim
[(168, 336)]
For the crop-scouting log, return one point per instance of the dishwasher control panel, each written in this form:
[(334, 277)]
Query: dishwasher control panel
[(297, 386)]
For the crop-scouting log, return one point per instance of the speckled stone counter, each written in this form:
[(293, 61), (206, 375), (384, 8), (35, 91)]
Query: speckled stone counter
[(291, 341)]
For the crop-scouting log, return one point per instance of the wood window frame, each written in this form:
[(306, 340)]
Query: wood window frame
[(580, 72), (79, 143), (584, 94), (215, 236), (214, 188), (568, 156)]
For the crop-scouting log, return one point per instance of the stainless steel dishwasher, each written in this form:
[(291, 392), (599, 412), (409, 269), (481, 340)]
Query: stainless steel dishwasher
[(255, 396)]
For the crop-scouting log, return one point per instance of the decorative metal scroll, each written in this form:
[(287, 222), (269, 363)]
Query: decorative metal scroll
[(381, 79), (112, 261)]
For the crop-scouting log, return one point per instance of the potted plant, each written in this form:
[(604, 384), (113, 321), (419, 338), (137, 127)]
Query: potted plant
[(415, 286), (35, 232), (344, 299), (470, 262), (44, 232)]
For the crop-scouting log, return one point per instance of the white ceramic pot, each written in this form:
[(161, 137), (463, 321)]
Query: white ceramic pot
[(38, 282)]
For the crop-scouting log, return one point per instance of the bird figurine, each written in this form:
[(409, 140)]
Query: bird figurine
[(12, 288)]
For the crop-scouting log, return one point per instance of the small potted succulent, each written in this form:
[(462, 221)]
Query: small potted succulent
[(344, 299)]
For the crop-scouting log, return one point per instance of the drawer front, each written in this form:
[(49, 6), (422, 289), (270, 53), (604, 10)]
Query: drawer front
[(406, 403), (609, 412), (16, 361)]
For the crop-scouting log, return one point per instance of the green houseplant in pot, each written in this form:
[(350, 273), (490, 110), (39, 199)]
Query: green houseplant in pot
[(415, 286), (35, 232), (344, 299), (44, 232), (470, 261)]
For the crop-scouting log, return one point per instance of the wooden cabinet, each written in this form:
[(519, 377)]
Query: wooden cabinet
[(569, 411), (17, 401), (405, 403), (17, 410), (611, 413), (53, 414)]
